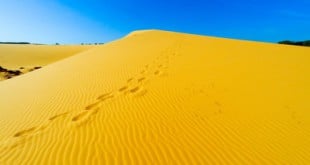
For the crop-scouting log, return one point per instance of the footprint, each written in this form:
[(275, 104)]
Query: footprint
[(92, 106), (25, 132), (141, 79), (138, 91), (103, 96), (143, 71), (130, 80), (160, 66), (57, 116), (134, 90), (43, 127), (81, 116), (11, 144), (84, 116), (158, 73), (123, 88), (108, 97)]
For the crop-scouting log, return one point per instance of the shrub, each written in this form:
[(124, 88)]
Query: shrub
[(298, 43)]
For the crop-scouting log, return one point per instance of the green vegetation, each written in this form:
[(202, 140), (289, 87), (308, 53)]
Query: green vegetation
[(298, 43), (8, 74)]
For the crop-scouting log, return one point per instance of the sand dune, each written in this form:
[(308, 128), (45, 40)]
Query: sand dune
[(16, 56), (19, 59), (158, 97)]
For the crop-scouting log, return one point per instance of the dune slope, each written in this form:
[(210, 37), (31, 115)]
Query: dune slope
[(16, 56), (158, 97), (20, 59)]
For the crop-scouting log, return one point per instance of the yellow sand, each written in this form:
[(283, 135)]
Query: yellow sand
[(26, 58), (16, 56), (158, 97)]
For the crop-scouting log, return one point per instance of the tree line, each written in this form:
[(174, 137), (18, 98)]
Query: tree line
[(298, 43)]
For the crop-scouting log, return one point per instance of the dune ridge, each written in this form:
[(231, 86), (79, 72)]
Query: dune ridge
[(162, 98)]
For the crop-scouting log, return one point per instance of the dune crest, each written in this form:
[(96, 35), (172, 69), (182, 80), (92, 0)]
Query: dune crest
[(157, 97)]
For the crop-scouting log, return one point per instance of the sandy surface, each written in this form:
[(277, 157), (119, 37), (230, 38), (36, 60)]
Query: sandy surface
[(158, 97), (16, 60)]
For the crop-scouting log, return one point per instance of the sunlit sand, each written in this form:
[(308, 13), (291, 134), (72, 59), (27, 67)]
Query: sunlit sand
[(156, 97), (16, 60)]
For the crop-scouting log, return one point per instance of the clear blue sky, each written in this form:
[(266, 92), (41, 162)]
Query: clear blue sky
[(76, 21)]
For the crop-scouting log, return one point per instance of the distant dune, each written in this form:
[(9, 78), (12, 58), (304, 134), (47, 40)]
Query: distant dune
[(21, 59), (16, 56), (157, 97)]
